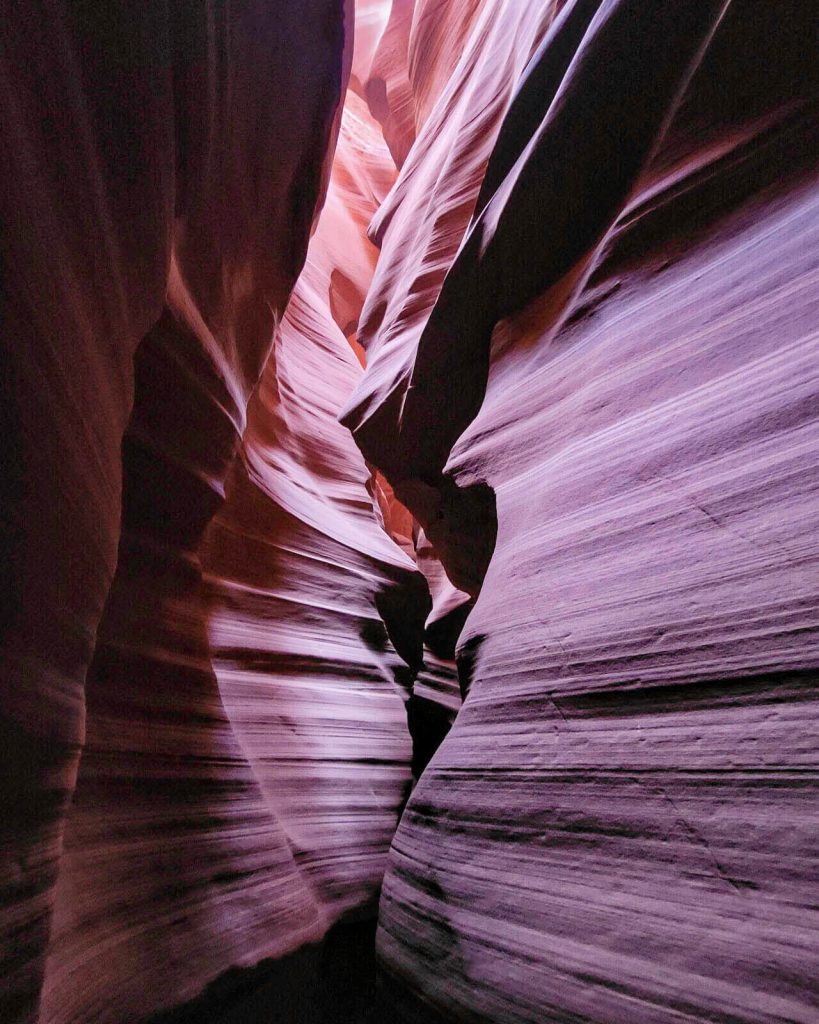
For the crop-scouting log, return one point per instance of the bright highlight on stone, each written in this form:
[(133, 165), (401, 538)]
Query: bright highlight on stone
[(409, 518)]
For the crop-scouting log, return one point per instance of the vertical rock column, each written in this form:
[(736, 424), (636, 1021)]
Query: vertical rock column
[(86, 204), (160, 172), (619, 826), (317, 614)]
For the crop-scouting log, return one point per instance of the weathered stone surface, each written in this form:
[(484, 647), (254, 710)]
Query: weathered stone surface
[(144, 173), (311, 596), (563, 292), (619, 825), (419, 229)]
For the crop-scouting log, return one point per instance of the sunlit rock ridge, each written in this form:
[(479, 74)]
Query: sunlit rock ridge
[(409, 520)]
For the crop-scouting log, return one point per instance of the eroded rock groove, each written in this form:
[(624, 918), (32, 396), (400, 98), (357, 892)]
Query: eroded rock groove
[(408, 512)]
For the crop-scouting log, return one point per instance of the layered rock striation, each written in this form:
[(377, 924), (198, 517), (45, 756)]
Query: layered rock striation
[(317, 614), (619, 825), (417, 489), (161, 172)]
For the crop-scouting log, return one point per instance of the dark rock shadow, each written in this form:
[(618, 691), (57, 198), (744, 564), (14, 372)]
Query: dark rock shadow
[(329, 983)]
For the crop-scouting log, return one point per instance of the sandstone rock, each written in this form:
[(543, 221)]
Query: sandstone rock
[(311, 597), (561, 578), (619, 825), (144, 168)]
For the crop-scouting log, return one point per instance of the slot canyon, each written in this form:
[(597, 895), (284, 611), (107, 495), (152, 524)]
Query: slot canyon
[(409, 512)]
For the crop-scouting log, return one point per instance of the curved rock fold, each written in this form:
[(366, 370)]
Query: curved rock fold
[(409, 511)]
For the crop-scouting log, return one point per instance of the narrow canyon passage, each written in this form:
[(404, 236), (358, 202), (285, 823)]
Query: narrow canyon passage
[(409, 514)]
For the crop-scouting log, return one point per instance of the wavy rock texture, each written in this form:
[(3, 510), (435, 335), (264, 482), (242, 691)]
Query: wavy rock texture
[(419, 228), (371, 18), (619, 826), (420, 225), (387, 87), (436, 695), (84, 256), (145, 173), (311, 597), (563, 292)]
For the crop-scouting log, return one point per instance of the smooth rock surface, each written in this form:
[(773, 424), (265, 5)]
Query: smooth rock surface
[(144, 173), (500, 497), (620, 825), (311, 596)]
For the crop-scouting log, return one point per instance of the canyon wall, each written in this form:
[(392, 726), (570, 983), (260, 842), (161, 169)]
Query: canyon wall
[(161, 171), (607, 324), (509, 359), (317, 614)]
